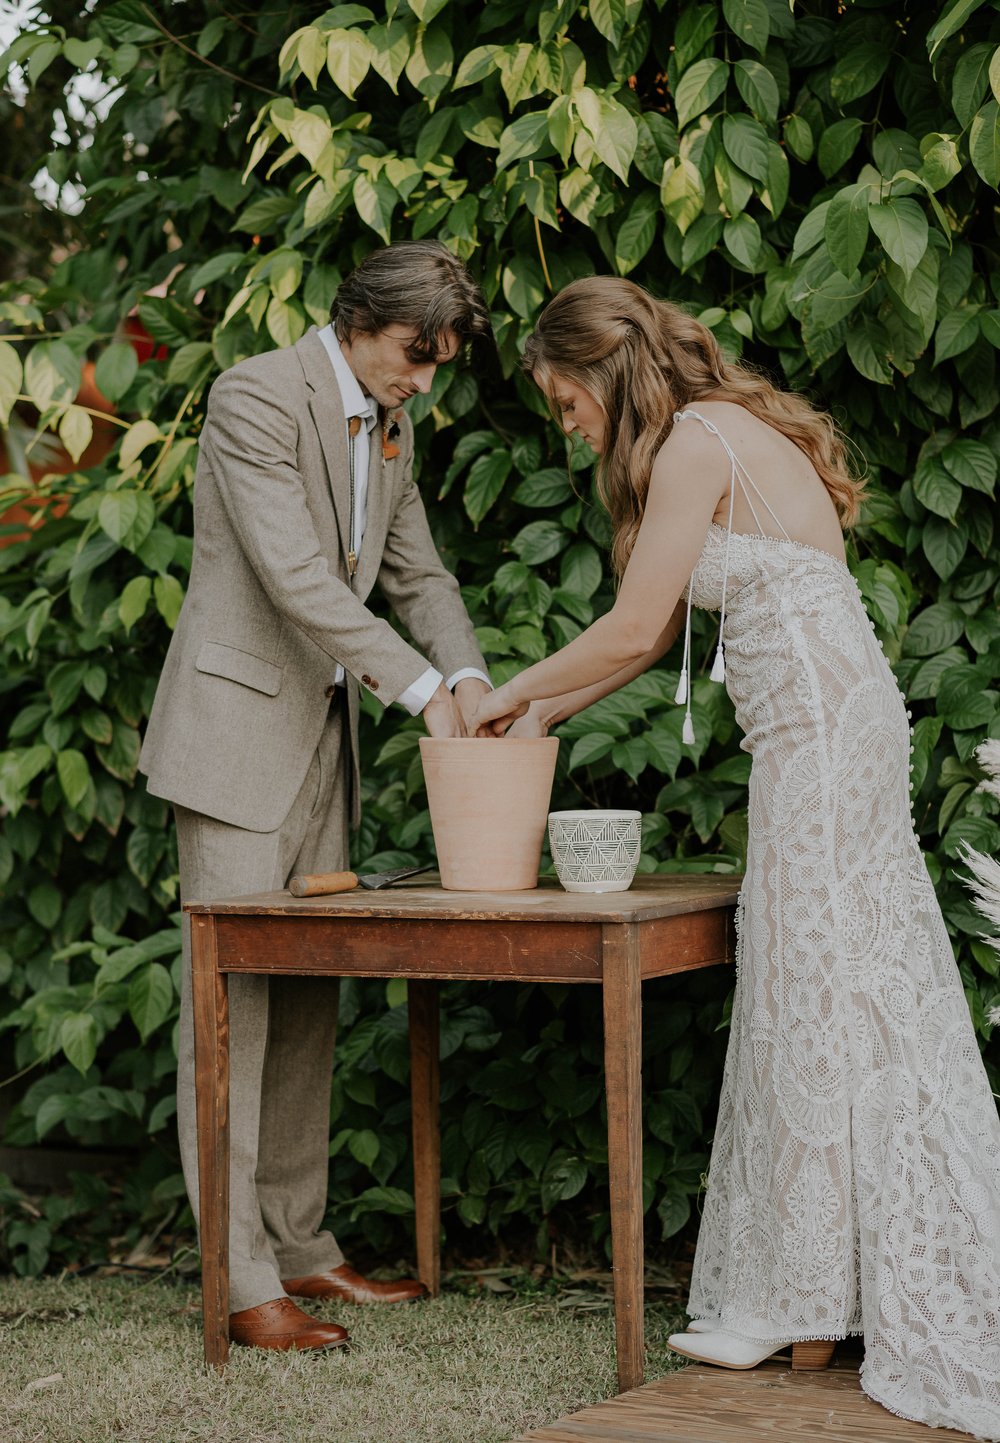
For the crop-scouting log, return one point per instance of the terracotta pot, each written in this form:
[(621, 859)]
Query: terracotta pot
[(489, 800)]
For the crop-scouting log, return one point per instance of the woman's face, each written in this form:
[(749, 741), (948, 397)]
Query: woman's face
[(578, 411)]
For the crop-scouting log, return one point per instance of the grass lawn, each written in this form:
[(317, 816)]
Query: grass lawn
[(97, 1360)]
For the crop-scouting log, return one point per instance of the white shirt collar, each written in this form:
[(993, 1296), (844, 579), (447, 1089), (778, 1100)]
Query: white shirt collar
[(356, 403)]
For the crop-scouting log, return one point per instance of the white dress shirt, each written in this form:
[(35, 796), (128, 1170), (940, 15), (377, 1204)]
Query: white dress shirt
[(356, 403)]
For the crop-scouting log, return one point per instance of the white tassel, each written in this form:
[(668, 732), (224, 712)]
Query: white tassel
[(687, 733), (718, 666), (681, 694)]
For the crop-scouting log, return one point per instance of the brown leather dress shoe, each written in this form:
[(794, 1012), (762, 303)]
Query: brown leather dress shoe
[(283, 1326), (349, 1286)]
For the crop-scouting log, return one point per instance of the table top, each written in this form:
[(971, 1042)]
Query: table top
[(650, 896)]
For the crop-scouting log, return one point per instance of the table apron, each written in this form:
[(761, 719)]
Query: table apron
[(513, 951)]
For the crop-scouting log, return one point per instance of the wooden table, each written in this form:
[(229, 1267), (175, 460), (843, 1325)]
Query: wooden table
[(663, 925)]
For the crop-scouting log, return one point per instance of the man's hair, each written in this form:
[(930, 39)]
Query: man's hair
[(416, 284)]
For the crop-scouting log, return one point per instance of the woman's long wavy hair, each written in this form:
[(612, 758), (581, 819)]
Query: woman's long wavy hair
[(644, 359)]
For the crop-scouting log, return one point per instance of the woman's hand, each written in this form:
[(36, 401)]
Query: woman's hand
[(496, 713), (532, 724)]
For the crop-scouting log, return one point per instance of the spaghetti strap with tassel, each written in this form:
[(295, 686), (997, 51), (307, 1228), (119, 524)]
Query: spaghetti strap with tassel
[(739, 476)]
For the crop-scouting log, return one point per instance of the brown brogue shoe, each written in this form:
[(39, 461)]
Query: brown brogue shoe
[(283, 1326), (348, 1286)]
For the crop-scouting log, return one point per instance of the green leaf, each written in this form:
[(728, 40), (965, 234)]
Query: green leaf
[(528, 135), (78, 1040), (539, 541), (743, 240), (121, 758), (375, 200), (143, 851), (140, 435), (936, 490), (348, 58), (799, 138), (758, 88), (76, 431), (944, 545), (364, 1146), (836, 146), (608, 16), (524, 285), (746, 143), (51, 374), (45, 904), (699, 87), (126, 517), (868, 348), (74, 775), (134, 600), (951, 20), (610, 127), (636, 232), (563, 1177), (116, 369), (485, 482), (750, 20), (477, 65), (857, 71), (550, 487), (972, 463), (984, 143), (901, 226), (581, 571), (957, 331), (846, 228), (970, 81), (934, 629), (390, 49), (150, 996), (169, 596), (10, 379), (682, 193), (82, 53), (431, 60)]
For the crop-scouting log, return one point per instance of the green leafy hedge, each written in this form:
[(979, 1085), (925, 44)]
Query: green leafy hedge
[(819, 186)]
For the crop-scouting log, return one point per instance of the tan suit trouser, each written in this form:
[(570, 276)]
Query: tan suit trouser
[(282, 1032)]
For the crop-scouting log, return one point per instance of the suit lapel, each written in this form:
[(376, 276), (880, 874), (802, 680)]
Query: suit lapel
[(327, 411)]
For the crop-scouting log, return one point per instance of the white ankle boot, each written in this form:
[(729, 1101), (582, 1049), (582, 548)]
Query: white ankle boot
[(726, 1350)]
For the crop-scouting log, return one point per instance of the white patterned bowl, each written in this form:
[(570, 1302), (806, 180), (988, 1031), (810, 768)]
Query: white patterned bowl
[(595, 851)]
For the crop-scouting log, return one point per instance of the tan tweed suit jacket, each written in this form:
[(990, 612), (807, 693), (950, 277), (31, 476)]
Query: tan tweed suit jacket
[(270, 608)]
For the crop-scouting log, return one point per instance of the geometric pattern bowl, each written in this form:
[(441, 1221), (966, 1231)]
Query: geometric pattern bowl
[(595, 851)]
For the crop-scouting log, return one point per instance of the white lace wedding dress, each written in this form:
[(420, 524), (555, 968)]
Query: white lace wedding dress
[(855, 1174)]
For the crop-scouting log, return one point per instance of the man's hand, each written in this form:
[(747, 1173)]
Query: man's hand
[(442, 716), (469, 692)]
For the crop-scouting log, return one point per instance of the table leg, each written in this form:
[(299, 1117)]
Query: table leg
[(426, 1094), (210, 997), (623, 1087)]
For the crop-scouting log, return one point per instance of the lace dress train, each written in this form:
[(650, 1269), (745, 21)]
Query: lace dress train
[(854, 1184)]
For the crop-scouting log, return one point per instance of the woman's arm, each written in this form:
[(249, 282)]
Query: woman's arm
[(688, 481), (541, 715)]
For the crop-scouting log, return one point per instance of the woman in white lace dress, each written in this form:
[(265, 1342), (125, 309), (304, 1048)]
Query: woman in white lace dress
[(854, 1184)]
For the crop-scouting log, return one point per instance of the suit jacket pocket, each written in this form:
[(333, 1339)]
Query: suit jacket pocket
[(240, 666)]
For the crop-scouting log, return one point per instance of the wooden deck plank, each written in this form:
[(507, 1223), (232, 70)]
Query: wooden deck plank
[(770, 1404)]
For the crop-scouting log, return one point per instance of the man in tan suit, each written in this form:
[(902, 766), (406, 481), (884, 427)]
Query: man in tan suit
[(304, 500)]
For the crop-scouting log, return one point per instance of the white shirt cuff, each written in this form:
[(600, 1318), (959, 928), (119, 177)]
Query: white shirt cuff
[(418, 694), (468, 671)]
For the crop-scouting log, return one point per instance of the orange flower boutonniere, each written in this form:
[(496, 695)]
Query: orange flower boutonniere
[(390, 437)]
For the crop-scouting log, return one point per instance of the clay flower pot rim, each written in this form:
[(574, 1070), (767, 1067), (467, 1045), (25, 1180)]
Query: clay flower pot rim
[(508, 741), (586, 812)]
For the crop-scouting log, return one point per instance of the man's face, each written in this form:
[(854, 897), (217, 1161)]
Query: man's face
[(389, 365)]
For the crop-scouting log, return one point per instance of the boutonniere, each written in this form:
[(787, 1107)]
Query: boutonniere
[(390, 432)]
